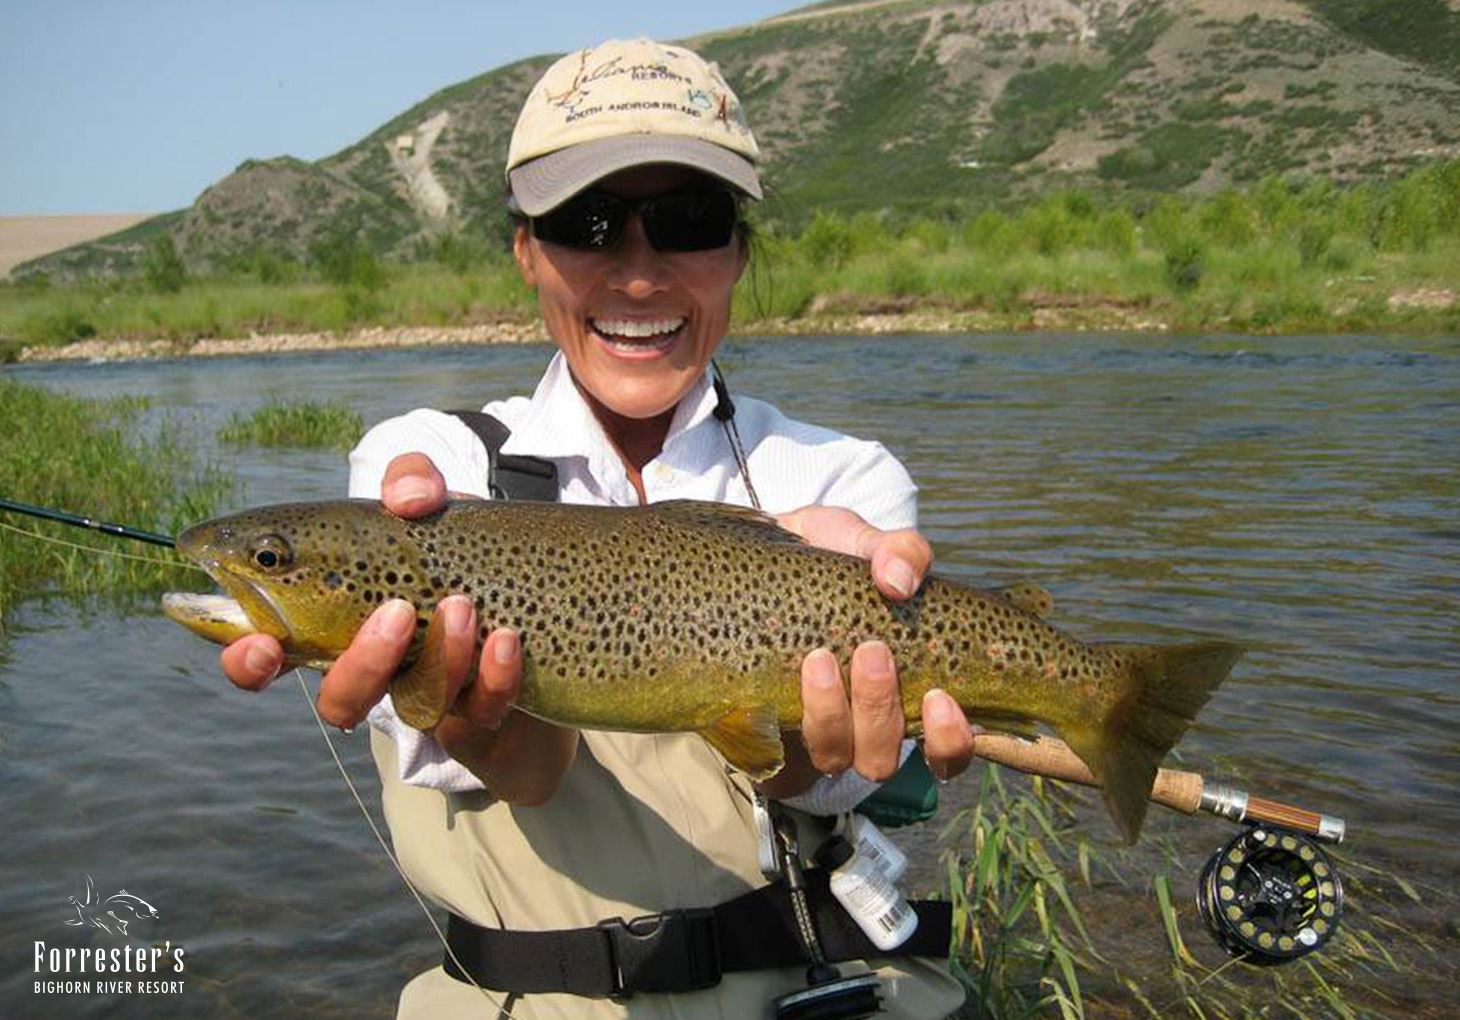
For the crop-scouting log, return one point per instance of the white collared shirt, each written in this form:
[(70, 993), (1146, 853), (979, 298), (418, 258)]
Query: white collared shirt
[(792, 465)]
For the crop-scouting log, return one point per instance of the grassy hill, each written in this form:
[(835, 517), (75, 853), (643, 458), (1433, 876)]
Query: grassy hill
[(915, 107)]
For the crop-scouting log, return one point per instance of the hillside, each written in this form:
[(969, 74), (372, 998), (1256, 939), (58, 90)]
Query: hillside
[(912, 106)]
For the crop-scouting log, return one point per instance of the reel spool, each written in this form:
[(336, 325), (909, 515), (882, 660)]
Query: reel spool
[(1270, 896)]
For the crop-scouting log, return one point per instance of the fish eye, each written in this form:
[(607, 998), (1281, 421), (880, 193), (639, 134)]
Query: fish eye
[(272, 552)]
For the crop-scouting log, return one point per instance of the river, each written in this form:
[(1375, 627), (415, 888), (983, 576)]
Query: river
[(1300, 495)]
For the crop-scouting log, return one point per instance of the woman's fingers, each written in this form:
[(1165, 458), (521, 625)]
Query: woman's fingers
[(900, 558), (862, 729), (900, 561), (877, 722), (826, 716), (947, 737), (252, 662), (361, 675), (412, 486)]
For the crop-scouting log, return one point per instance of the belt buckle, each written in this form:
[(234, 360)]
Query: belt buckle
[(676, 951)]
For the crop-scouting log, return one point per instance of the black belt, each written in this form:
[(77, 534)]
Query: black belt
[(679, 950)]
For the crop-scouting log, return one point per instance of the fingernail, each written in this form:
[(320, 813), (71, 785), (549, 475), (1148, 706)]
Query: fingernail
[(900, 577), (876, 660), (261, 660), (821, 669), (411, 492), (458, 618), (505, 651), (936, 710), (394, 620)]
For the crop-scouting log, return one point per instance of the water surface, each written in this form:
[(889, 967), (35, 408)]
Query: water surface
[(1299, 495)]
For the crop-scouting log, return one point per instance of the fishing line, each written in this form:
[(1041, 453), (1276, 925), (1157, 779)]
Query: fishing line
[(181, 564), (385, 848)]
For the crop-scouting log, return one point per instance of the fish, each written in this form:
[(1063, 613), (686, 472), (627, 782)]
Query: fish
[(687, 616)]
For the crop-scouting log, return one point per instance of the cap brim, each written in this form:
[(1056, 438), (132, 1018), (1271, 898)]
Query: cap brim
[(546, 182)]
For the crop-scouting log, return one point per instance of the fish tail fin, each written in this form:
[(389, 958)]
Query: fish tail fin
[(1167, 686)]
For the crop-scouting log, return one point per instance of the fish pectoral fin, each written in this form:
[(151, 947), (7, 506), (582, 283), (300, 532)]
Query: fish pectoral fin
[(750, 739), (420, 694)]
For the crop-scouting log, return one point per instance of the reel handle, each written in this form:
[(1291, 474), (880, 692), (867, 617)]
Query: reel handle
[(1187, 792)]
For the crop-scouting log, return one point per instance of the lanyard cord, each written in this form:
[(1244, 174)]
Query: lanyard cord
[(725, 413)]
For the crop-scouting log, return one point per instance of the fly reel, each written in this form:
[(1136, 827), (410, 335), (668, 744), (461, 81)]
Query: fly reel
[(1270, 896)]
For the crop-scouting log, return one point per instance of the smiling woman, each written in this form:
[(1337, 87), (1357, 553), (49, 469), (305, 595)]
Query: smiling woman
[(628, 170)]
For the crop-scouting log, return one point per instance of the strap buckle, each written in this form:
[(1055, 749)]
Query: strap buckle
[(676, 951)]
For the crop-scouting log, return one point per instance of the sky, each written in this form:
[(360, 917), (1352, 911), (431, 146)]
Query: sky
[(111, 107)]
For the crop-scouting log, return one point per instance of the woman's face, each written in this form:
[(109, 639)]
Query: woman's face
[(637, 326)]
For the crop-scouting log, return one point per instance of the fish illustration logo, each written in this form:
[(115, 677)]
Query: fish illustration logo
[(102, 913)]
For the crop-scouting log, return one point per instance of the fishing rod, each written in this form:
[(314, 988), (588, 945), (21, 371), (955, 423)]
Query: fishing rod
[(115, 530), (1268, 896)]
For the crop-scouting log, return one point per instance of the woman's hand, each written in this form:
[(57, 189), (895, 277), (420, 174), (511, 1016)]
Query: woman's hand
[(864, 730), (521, 759)]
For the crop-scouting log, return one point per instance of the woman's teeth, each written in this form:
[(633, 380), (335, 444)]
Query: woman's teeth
[(638, 334)]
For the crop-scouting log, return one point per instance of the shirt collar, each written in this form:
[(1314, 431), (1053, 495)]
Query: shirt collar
[(559, 422)]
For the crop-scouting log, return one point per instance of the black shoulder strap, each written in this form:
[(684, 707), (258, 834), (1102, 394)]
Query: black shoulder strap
[(510, 477)]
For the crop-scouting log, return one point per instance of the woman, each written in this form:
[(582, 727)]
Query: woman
[(627, 169)]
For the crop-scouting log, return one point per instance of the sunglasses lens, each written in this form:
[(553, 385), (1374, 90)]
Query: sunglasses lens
[(691, 221), (591, 221), (685, 221)]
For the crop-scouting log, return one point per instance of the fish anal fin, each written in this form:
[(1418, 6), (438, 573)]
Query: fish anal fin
[(420, 694), (749, 737), (1168, 685)]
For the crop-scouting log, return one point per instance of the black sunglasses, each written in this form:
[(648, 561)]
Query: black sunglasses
[(677, 221)]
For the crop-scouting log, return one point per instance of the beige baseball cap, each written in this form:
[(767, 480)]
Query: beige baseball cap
[(626, 103)]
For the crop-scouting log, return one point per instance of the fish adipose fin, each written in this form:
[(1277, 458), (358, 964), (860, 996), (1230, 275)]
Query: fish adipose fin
[(419, 694), (1030, 598), (750, 739), (1168, 686)]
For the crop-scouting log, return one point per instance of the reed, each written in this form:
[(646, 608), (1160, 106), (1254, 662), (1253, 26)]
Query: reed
[(1023, 879), (330, 425), (89, 457)]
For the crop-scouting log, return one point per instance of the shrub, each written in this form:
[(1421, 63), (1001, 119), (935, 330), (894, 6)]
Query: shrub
[(827, 241), (162, 269), (342, 259), (1185, 263)]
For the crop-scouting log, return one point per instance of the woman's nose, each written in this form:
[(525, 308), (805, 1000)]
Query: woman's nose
[(639, 270)]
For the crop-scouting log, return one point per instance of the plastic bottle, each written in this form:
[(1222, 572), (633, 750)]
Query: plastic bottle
[(871, 842), (866, 893)]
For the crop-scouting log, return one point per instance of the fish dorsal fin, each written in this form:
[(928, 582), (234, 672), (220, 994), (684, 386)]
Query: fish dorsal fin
[(750, 739), (1030, 598), (726, 516)]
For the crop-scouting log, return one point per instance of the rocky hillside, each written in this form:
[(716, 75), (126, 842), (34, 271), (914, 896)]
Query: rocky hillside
[(913, 106)]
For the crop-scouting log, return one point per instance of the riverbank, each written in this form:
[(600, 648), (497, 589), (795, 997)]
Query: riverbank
[(1421, 310)]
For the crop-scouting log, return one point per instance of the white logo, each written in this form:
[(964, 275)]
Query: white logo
[(113, 968), (133, 906)]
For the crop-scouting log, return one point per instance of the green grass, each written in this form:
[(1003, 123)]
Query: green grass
[(331, 425), (87, 457), (1024, 880), (1278, 256)]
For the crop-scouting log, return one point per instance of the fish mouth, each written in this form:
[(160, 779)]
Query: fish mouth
[(246, 608)]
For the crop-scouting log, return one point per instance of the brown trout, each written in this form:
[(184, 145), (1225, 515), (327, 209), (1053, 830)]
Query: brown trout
[(687, 616)]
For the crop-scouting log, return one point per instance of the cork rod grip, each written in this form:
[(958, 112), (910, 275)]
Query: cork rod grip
[(1046, 756), (1260, 809)]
